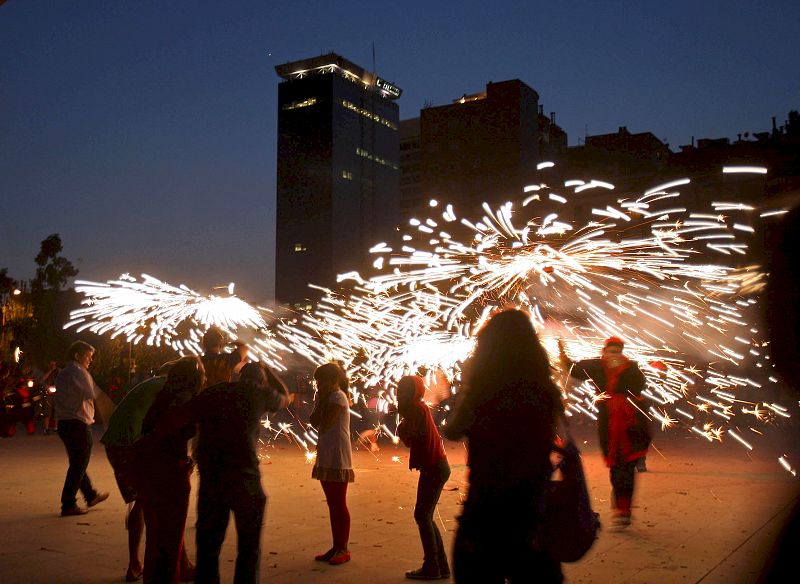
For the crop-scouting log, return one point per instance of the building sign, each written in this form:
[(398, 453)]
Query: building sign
[(384, 85)]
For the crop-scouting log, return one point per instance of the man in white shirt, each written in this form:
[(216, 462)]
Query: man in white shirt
[(74, 409)]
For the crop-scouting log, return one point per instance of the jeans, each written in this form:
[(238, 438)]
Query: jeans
[(77, 439), (220, 493), (431, 482)]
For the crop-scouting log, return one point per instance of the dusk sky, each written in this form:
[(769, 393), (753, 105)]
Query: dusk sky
[(144, 132)]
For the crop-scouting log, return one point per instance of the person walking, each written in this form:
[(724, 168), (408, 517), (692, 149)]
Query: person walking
[(621, 426), (418, 431), (507, 411), (333, 466), (74, 410)]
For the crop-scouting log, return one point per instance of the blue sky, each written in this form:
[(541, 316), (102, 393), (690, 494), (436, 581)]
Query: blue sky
[(145, 132)]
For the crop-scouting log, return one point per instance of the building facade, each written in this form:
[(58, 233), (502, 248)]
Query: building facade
[(482, 147), (337, 172)]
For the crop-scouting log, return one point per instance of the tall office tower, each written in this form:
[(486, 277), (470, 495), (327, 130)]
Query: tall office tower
[(338, 172), (482, 147)]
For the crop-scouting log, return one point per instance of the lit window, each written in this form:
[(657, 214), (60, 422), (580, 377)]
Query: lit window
[(368, 114), (299, 248), (298, 104), (347, 175)]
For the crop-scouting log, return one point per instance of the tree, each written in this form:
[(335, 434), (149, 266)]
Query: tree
[(53, 271), (45, 339)]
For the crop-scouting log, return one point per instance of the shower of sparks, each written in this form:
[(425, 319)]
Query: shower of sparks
[(674, 282), (163, 315)]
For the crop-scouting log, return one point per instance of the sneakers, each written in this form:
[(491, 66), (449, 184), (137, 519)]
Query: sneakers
[(98, 498), (340, 557), (72, 511), (326, 557), (425, 574), (621, 520)]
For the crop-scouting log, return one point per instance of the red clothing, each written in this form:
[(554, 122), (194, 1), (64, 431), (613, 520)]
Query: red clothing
[(621, 418), (418, 432)]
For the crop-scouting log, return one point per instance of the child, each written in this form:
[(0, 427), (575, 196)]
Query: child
[(333, 466), (418, 432)]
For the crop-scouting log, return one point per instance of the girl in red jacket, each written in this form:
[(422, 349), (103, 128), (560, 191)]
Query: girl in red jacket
[(418, 432)]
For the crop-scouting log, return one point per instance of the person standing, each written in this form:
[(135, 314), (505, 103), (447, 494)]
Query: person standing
[(221, 366), (74, 410), (508, 410), (163, 470), (333, 466), (621, 426), (418, 431), (228, 416)]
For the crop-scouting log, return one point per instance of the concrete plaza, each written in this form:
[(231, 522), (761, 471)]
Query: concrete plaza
[(703, 513)]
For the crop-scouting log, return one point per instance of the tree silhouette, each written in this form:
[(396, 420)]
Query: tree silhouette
[(53, 271)]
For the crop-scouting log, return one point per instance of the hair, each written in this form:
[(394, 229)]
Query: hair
[(332, 373), (253, 373), (184, 381), (614, 341), (213, 339), (78, 348), (410, 389), (508, 357)]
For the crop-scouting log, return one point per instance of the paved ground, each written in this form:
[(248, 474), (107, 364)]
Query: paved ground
[(704, 513)]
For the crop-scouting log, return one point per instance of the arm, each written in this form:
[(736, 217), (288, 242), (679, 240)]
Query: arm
[(460, 421), (637, 380), (279, 389)]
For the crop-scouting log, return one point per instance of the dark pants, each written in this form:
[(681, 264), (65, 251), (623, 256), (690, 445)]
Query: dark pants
[(77, 439), (493, 542), (219, 494), (165, 521), (336, 497), (622, 481), (429, 488)]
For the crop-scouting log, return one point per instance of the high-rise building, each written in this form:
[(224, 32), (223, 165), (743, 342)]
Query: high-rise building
[(338, 172), (482, 147)]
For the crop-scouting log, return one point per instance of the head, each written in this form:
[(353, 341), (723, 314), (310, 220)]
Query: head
[(81, 353), (508, 353), (330, 377), (410, 389), (612, 351), (213, 340), (185, 378), (253, 373)]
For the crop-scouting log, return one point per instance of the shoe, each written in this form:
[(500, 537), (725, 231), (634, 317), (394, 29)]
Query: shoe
[(71, 511), (423, 574), (641, 465), (98, 498), (340, 557), (621, 520), (133, 575), (326, 557)]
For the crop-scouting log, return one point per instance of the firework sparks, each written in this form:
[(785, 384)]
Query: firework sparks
[(646, 268)]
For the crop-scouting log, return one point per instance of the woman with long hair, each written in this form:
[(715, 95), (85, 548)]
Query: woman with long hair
[(164, 469), (508, 414), (333, 466)]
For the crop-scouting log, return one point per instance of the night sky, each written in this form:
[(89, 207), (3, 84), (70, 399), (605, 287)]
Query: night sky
[(144, 132)]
